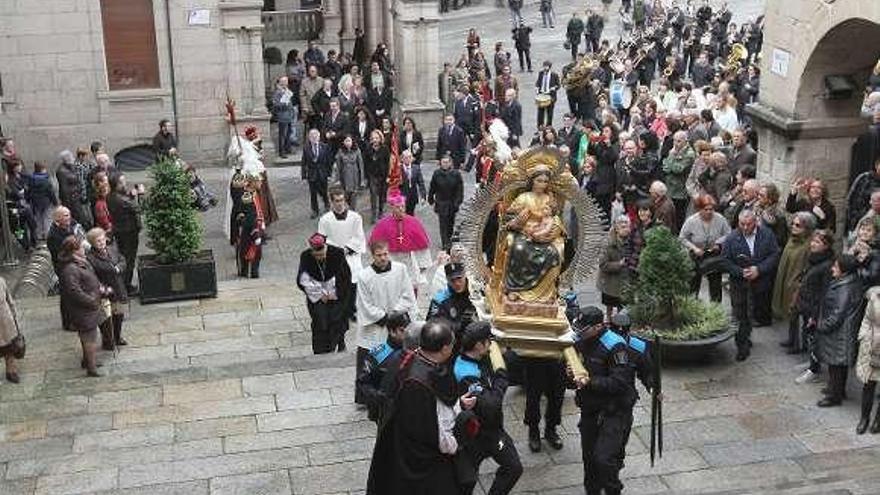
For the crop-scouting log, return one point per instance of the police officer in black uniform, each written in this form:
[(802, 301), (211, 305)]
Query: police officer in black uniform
[(639, 356), (377, 375), (453, 302), (606, 399), (475, 374)]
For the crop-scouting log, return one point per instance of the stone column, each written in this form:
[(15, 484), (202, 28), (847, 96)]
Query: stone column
[(388, 26), (372, 24), (332, 22), (349, 21), (417, 27), (243, 41)]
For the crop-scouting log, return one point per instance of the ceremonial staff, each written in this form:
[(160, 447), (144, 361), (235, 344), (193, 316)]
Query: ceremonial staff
[(656, 403)]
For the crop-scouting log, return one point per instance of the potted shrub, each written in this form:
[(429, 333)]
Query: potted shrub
[(178, 269), (660, 301)]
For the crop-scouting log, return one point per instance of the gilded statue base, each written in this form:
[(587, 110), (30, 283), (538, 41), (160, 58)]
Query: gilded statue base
[(532, 335), (541, 310)]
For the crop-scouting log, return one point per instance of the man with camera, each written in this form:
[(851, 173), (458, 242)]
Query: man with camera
[(477, 376), (750, 258)]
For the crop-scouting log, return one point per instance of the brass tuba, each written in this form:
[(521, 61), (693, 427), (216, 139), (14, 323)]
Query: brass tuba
[(738, 53)]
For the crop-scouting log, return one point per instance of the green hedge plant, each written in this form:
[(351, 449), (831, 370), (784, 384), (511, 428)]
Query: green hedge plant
[(660, 299), (173, 227)]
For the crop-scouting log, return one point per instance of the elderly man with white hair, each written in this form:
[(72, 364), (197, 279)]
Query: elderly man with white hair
[(70, 189), (662, 207), (750, 255)]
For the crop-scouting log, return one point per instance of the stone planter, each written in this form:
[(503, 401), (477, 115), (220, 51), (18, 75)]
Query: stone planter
[(692, 350), (193, 279)]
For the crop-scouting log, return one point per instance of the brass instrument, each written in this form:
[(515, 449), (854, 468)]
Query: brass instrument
[(738, 54), (668, 71), (579, 75)]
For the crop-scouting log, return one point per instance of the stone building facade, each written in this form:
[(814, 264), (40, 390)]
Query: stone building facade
[(69, 76), (802, 131)]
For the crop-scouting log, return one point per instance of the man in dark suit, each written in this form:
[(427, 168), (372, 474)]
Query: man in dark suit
[(570, 136), (750, 256), (451, 139), (511, 115), (317, 162), (547, 84), (413, 183), (466, 111), (335, 125), (741, 153)]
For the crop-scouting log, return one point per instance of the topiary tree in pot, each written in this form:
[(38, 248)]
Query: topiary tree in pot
[(178, 269), (660, 300), (173, 227)]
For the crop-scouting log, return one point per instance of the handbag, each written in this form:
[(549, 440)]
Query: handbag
[(875, 356), (106, 307)]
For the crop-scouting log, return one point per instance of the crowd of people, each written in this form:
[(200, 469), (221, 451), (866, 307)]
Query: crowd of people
[(656, 132), (89, 218)]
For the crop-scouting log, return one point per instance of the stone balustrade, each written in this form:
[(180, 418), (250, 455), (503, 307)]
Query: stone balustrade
[(292, 25)]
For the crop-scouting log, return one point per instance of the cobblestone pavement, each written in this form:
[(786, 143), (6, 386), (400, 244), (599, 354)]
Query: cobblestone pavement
[(222, 396)]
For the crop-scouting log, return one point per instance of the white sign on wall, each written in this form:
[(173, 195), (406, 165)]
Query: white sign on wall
[(199, 17), (780, 61)]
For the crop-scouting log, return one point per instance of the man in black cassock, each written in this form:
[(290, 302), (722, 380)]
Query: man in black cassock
[(415, 445), (326, 279)]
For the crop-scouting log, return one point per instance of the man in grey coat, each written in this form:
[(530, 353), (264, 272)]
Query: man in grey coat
[(283, 107)]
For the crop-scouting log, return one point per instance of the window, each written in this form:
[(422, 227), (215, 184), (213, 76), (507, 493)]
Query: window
[(130, 44)]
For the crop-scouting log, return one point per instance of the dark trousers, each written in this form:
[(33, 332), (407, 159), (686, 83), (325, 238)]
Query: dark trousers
[(378, 188), (545, 115), (574, 49), (837, 381), (316, 188), (528, 59), (742, 303), (361, 357), (284, 137), (127, 243), (543, 377), (573, 103), (714, 284), (681, 206), (763, 313), (593, 44), (329, 323), (503, 452), (603, 438), (447, 225)]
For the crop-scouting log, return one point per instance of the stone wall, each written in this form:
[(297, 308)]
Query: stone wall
[(55, 83), (801, 131)]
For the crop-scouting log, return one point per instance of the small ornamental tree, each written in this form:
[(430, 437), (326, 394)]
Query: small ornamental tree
[(665, 271), (173, 227)]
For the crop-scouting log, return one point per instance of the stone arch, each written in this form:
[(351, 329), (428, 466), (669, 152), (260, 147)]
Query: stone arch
[(850, 48), (800, 131)]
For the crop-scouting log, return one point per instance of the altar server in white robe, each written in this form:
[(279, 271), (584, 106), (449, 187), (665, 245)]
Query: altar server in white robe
[(344, 229)]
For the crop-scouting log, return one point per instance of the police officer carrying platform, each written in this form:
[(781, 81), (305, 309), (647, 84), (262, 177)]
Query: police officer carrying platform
[(377, 376), (474, 373), (453, 302), (606, 399), (640, 362)]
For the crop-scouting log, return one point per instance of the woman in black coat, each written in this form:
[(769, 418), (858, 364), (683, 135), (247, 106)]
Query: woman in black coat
[(109, 267), (411, 139), (814, 280), (376, 163), (81, 294), (837, 326)]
